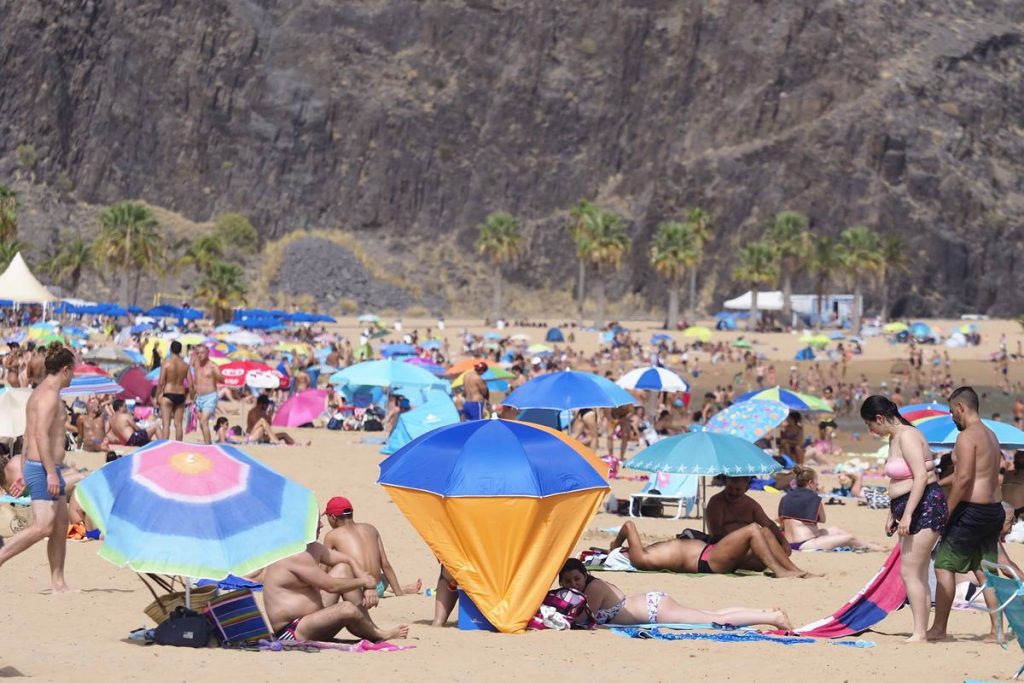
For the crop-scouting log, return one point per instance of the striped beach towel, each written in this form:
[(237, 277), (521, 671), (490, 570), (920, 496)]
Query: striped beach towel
[(237, 618)]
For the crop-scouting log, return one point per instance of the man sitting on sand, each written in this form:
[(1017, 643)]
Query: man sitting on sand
[(690, 556), (123, 429), (731, 509), (362, 542), (92, 427), (258, 421), (293, 595)]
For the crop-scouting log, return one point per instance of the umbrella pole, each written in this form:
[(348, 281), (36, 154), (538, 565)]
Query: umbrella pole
[(188, 592), (703, 504)]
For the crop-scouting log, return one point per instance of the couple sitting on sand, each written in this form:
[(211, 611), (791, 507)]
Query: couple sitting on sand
[(330, 586)]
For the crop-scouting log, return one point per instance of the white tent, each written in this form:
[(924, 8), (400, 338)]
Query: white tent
[(19, 285), (766, 301)]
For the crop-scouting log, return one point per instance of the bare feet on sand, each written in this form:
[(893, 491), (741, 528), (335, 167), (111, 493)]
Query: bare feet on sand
[(780, 619), (413, 587), (400, 631), (917, 639), (936, 636)]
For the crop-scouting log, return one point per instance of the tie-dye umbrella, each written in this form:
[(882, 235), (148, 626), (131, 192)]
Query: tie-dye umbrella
[(501, 504), (750, 420), (793, 399), (193, 510)]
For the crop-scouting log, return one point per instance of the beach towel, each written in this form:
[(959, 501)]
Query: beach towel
[(317, 645), (737, 636), (883, 594)]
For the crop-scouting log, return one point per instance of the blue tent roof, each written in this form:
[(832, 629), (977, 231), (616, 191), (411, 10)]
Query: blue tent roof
[(438, 411)]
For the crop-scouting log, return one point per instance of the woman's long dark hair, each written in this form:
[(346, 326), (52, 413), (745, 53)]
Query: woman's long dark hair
[(573, 564), (876, 405)]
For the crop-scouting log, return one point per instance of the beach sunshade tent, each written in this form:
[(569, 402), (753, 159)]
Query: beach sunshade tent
[(18, 285), (89, 385), (698, 332), (194, 510), (387, 374), (13, 403), (653, 379), (302, 408), (796, 401), (568, 390), (941, 432), (501, 504), (438, 411), (750, 420), (554, 335)]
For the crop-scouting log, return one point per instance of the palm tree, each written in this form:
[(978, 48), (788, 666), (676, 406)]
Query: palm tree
[(894, 259), (502, 242), (131, 242), (861, 253), (824, 259), (222, 288), (674, 250), (8, 250), (8, 214), (608, 243), (203, 252), (757, 266), (70, 262), (578, 221), (788, 236), (703, 230)]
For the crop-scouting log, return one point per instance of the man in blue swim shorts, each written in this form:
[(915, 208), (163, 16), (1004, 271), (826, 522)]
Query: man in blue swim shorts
[(40, 467), (204, 377)]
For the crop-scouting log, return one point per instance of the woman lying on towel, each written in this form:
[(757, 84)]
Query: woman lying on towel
[(801, 511), (611, 606)]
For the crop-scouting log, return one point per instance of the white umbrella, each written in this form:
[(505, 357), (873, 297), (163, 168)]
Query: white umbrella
[(244, 338)]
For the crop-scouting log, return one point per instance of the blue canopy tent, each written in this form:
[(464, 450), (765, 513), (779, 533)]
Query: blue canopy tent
[(438, 411), (554, 335), (806, 353)]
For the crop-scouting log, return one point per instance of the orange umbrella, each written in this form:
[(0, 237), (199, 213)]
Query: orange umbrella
[(467, 364)]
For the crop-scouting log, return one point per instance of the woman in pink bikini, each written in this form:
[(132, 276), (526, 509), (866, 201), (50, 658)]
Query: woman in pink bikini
[(917, 508)]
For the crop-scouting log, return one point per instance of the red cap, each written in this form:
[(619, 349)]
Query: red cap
[(338, 506), (480, 368)]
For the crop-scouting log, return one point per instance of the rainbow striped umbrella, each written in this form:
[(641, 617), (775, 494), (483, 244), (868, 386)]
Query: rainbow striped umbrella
[(193, 510), (87, 385), (796, 401)]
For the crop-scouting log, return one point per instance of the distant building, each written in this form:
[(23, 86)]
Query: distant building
[(838, 307)]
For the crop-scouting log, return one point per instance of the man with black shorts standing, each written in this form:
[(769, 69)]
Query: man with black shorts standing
[(975, 510)]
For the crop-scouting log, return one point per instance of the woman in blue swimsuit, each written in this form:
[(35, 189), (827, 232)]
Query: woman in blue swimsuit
[(610, 605)]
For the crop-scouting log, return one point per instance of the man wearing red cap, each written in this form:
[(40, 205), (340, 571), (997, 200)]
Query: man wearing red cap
[(362, 543), (476, 391)]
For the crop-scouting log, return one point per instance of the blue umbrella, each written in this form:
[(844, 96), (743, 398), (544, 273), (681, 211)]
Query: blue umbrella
[(493, 335), (653, 379), (194, 510), (704, 453), (796, 401), (227, 328), (941, 432), (658, 338), (392, 350), (431, 344), (920, 330), (140, 328), (154, 374), (385, 373), (568, 390), (750, 420)]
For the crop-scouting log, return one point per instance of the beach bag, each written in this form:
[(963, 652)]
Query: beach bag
[(335, 423), (237, 619), (184, 628), (562, 609)]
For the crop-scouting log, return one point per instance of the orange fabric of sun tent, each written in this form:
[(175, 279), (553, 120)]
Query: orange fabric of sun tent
[(501, 504)]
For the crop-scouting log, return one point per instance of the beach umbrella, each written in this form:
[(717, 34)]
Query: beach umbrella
[(244, 354), (538, 349), (569, 390), (137, 358), (896, 327), (154, 374), (368, 318), (921, 411), (193, 510), (432, 344), (836, 335), (110, 354), (393, 350), (297, 348), (136, 385), (750, 420), (941, 432), (467, 363), (87, 369), (387, 374), (251, 373), (140, 328), (520, 338), (13, 403), (432, 368), (494, 336), (325, 338), (79, 332), (653, 379), (742, 343), (302, 408), (704, 453), (89, 385), (227, 328), (659, 338), (796, 401), (920, 330), (698, 332), (491, 375), (244, 338), (501, 504), (818, 340)]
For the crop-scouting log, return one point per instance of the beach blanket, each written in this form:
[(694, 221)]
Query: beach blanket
[(719, 637), (317, 645), (883, 594)]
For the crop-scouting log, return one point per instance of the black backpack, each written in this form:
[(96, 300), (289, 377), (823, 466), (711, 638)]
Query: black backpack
[(184, 628)]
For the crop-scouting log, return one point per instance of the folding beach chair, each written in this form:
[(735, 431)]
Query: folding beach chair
[(1010, 596), (680, 489)]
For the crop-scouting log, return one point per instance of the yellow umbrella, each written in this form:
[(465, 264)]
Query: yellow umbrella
[(698, 332), (161, 345), (297, 348), (244, 354), (492, 374), (896, 327), (188, 340)]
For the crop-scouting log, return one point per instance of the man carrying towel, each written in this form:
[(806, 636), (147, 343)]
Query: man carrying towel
[(975, 512)]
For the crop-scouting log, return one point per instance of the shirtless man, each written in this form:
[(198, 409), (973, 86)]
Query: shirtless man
[(205, 376), (91, 427), (258, 426), (12, 362), (293, 595), (1018, 413), (732, 509), (362, 542), (124, 431), (976, 514), (697, 557), (40, 468), (476, 391), (170, 391), (35, 368)]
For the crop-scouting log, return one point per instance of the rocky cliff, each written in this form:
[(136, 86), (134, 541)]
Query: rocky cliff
[(411, 120)]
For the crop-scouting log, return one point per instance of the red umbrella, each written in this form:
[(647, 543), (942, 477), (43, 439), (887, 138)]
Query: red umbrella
[(136, 386), (86, 369), (302, 408), (252, 373)]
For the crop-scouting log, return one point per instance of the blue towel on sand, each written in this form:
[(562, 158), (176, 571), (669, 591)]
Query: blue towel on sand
[(728, 637), (232, 583)]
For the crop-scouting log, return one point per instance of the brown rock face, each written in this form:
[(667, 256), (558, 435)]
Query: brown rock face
[(415, 118)]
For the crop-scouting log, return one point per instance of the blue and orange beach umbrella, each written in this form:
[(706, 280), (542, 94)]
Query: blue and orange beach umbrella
[(501, 504)]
